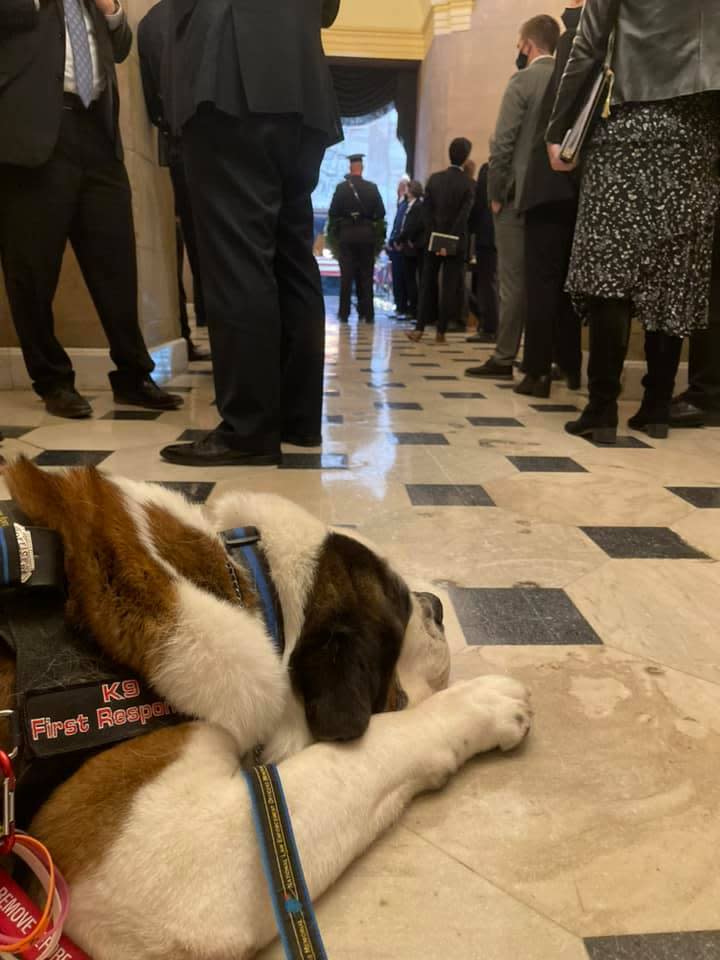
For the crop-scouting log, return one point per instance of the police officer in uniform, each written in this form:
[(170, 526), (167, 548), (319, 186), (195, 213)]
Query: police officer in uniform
[(357, 224)]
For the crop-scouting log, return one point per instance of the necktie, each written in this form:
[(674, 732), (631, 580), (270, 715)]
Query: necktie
[(80, 44)]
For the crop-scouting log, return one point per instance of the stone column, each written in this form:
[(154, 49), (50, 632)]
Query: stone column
[(76, 321)]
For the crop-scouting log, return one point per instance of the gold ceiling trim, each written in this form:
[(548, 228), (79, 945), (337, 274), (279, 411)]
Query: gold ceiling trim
[(444, 16)]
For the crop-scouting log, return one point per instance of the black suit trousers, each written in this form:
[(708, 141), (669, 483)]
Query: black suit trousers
[(82, 194), (357, 268), (250, 181), (551, 318), (184, 214), (704, 361), (484, 301), (413, 277), (442, 301), (401, 282)]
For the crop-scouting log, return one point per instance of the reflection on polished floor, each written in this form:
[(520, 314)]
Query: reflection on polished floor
[(589, 573)]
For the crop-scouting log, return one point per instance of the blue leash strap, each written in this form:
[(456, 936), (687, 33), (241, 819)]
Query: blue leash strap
[(294, 913)]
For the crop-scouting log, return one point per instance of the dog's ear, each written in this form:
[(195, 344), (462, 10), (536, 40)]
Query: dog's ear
[(343, 672)]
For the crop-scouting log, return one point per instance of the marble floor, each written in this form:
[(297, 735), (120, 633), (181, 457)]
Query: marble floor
[(589, 573)]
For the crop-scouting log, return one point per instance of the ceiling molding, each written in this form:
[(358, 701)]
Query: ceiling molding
[(450, 16)]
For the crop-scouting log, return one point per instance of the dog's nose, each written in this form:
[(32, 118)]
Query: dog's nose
[(435, 605)]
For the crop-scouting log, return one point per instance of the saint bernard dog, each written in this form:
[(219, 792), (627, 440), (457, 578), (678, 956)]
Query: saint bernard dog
[(155, 835)]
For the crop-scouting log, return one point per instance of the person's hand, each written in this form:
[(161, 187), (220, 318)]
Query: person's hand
[(556, 162), (496, 207), (442, 252), (107, 7)]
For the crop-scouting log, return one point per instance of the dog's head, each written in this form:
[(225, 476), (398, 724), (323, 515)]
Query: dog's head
[(368, 645), (361, 641)]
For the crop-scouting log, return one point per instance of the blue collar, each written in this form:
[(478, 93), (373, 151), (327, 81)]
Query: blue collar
[(243, 547)]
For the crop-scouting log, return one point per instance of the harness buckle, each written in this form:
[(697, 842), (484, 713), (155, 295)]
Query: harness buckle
[(7, 837)]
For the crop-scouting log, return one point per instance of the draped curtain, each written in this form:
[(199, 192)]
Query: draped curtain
[(367, 89)]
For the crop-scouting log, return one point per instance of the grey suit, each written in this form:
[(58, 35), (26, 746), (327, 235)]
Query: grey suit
[(510, 153)]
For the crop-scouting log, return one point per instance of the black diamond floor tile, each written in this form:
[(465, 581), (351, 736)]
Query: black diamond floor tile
[(642, 543), (520, 615), (195, 491), (435, 377), (463, 395), (132, 415), (425, 439), (546, 465), (334, 418), (331, 393), (373, 370), (495, 422), (398, 405), (555, 407), (314, 461), (503, 386), (198, 373), (705, 498), (448, 495), (382, 386), (72, 458), (14, 432), (694, 945), (424, 364)]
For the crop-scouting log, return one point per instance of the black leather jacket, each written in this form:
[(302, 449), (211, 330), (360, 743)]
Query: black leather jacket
[(664, 49)]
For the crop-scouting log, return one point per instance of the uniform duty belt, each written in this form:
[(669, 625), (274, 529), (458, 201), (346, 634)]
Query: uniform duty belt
[(294, 913)]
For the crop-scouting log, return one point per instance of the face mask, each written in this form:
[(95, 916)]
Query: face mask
[(522, 61)]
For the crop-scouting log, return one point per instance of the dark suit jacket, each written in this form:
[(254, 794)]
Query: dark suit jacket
[(449, 198), (543, 184), (263, 57), (412, 236), (481, 223), (32, 70)]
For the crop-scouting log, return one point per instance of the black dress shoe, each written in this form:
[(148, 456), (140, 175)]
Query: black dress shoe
[(303, 439), (148, 395), (686, 414), (491, 370), (481, 338), (534, 387), (67, 402), (213, 451), (196, 353), (600, 425)]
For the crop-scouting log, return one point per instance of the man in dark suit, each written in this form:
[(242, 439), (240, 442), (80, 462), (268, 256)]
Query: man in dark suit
[(356, 221), (62, 176), (484, 296), (252, 94), (397, 259), (549, 201), (449, 198), (152, 34), (412, 242)]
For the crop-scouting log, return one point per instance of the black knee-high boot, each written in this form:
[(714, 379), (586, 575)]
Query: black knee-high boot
[(609, 337), (662, 353)]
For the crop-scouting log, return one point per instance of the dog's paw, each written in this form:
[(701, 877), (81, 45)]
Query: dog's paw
[(491, 712)]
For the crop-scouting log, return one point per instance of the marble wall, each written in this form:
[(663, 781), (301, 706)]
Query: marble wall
[(77, 323), (464, 77)]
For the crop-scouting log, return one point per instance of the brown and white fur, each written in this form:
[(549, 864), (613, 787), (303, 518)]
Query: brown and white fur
[(155, 835)]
